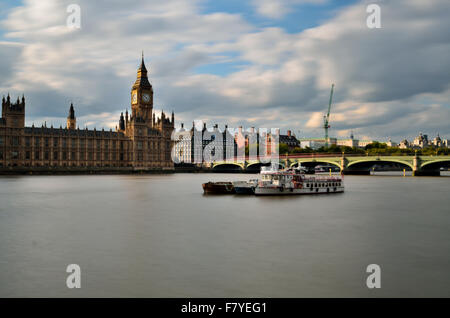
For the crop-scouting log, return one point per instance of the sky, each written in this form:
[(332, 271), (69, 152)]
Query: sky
[(261, 63)]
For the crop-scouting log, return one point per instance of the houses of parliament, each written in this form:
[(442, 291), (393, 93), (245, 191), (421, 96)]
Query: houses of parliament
[(140, 142)]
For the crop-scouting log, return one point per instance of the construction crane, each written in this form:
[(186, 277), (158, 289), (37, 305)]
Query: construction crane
[(326, 118)]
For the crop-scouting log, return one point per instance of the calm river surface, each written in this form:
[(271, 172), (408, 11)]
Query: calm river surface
[(159, 236)]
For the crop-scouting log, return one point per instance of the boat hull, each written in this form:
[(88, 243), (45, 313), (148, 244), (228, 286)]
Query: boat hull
[(292, 191), (244, 190), (218, 188)]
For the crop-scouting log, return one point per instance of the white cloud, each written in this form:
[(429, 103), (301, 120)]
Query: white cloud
[(385, 78), (315, 121), (278, 8)]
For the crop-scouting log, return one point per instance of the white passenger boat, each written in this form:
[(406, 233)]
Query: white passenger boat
[(289, 182)]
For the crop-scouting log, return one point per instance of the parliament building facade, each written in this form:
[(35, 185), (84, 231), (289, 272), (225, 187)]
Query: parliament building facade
[(140, 142)]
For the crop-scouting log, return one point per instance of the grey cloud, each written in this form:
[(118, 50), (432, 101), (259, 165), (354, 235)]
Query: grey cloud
[(390, 68), (8, 55)]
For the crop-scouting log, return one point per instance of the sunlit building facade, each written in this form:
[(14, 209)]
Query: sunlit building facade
[(141, 140)]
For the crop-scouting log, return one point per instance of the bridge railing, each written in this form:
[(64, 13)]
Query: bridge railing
[(283, 157), (387, 154), (315, 155)]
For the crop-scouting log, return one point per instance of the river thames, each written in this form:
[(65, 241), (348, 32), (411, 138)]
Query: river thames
[(159, 236)]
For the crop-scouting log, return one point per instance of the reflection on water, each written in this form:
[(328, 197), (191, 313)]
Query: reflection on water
[(159, 236)]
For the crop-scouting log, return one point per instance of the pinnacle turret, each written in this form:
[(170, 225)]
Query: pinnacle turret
[(71, 112), (71, 120), (142, 79)]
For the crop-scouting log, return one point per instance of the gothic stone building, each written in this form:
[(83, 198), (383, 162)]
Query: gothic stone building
[(141, 141)]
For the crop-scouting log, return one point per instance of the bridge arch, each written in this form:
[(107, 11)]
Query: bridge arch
[(316, 160), (227, 166), (430, 162), (254, 163), (280, 164), (379, 160)]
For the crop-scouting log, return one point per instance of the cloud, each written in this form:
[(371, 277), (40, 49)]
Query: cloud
[(8, 53), (276, 9), (381, 75), (315, 121), (385, 78), (96, 65)]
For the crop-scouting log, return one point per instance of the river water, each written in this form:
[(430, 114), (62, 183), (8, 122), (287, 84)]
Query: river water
[(159, 236)]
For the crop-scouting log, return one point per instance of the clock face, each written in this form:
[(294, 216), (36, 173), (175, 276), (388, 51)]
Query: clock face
[(134, 98), (146, 98)]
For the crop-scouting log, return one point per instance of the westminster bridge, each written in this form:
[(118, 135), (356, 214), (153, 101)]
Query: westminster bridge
[(347, 163)]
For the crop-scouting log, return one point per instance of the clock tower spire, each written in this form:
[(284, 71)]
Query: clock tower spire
[(142, 96)]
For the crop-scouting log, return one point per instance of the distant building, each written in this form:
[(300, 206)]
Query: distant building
[(349, 142), (391, 143), (437, 141), (312, 143), (190, 144), (227, 146), (182, 149), (404, 144), (316, 143), (290, 140), (261, 143), (420, 141), (252, 140), (364, 143)]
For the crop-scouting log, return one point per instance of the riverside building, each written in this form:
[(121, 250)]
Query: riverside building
[(141, 141)]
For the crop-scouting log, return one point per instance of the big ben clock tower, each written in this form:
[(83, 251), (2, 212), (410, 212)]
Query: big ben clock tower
[(142, 96)]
